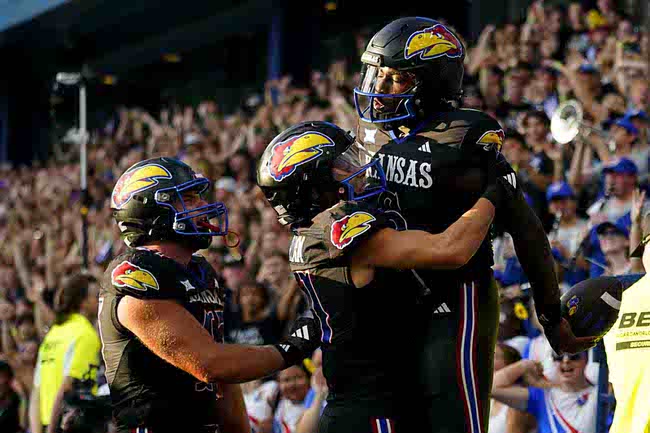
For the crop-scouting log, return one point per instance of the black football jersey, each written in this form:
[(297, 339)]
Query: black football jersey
[(146, 390), (437, 171), (359, 326)]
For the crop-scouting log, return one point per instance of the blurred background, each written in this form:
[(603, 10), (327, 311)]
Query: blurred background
[(213, 82)]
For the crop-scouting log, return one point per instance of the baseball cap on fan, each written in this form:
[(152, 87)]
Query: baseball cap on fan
[(621, 166), (645, 236), (627, 124), (559, 190)]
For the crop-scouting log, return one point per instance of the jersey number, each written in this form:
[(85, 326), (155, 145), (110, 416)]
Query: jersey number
[(213, 322)]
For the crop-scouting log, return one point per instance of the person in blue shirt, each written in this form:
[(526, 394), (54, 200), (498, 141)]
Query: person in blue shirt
[(620, 178), (566, 406)]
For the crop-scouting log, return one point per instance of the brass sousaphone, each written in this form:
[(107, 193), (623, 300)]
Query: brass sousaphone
[(567, 122)]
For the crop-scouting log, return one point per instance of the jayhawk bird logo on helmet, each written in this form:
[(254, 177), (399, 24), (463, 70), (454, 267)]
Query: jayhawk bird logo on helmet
[(433, 42), (289, 154), (137, 180)]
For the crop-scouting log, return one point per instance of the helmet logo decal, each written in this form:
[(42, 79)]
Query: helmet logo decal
[(138, 180), (433, 42), (289, 154), (126, 274), (349, 227), (492, 139)]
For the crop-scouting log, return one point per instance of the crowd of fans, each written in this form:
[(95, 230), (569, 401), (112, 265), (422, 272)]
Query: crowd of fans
[(590, 193)]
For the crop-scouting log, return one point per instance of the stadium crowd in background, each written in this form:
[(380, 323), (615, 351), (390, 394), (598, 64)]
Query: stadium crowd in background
[(589, 193)]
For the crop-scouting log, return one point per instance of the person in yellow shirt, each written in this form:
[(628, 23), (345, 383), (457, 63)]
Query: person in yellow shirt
[(628, 350), (69, 351)]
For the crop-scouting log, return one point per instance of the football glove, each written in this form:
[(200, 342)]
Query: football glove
[(303, 339)]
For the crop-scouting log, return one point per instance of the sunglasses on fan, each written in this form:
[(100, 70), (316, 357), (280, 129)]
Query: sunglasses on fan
[(575, 357)]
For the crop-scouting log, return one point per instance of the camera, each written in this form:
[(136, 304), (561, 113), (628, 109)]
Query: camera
[(83, 411)]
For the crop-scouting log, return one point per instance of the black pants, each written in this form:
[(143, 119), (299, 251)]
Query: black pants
[(357, 418), (173, 428), (455, 363)]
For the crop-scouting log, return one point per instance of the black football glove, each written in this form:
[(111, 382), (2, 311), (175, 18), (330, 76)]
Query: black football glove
[(500, 192), (502, 183), (562, 340), (303, 339)]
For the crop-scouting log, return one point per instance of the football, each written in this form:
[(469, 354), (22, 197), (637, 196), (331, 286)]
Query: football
[(592, 306)]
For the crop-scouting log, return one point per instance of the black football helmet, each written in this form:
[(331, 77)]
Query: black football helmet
[(148, 205), (423, 47), (311, 166)]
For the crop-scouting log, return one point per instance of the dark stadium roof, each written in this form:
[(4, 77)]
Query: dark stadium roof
[(124, 34)]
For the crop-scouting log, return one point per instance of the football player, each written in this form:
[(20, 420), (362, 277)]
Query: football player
[(161, 311), (356, 262), (433, 153)]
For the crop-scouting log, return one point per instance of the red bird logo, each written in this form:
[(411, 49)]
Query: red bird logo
[(289, 154), (126, 274), (433, 42), (135, 181), (491, 139), (349, 227)]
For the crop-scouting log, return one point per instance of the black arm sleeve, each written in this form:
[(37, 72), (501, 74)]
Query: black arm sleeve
[(534, 253)]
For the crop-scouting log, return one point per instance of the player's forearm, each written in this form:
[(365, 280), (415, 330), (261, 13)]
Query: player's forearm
[(173, 334), (465, 236), (534, 253), (237, 363)]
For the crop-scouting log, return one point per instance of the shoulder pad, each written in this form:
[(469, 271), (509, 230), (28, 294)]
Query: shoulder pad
[(350, 222), (142, 274), (334, 233), (485, 134)]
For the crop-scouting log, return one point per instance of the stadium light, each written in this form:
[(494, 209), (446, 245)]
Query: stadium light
[(81, 137), (68, 78)]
